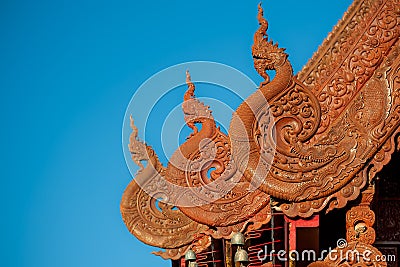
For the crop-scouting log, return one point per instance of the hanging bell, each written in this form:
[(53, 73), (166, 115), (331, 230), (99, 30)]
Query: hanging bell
[(237, 239), (193, 264), (241, 255), (190, 255)]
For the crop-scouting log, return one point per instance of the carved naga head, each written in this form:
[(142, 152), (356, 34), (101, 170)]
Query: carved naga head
[(266, 54)]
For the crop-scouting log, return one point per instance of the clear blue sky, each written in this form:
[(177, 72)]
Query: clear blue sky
[(67, 72)]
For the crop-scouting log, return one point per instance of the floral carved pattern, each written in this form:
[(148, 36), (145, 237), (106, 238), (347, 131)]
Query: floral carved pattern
[(352, 59), (156, 226), (310, 142)]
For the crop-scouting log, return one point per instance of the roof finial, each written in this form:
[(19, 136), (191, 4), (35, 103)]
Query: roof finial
[(263, 49), (262, 31), (133, 127), (190, 91), (188, 78)]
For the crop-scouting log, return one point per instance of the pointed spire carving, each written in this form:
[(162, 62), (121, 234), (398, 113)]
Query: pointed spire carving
[(266, 54)]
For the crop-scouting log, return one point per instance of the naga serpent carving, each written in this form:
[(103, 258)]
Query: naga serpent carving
[(310, 141), (208, 150), (152, 221), (307, 167)]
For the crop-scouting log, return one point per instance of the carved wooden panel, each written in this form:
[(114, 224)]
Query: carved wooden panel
[(308, 142), (156, 226)]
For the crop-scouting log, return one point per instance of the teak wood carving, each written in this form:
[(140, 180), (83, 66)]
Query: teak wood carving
[(309, 142)]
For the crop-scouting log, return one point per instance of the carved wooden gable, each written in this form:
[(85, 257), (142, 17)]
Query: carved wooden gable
[(299, 144)]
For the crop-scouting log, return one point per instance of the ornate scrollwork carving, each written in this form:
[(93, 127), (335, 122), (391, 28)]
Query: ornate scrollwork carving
[(360, 219), (238, 207), (200, 243), (206, 149), (360, 236), (346, 62), (373, 117), (311, 141), (305, 158), (150, 220), (156, 223)]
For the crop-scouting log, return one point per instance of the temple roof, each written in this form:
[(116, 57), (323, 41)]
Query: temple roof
[(300, 144)]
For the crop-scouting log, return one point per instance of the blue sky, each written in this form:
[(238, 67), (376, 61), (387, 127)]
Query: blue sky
[(68, 70)]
